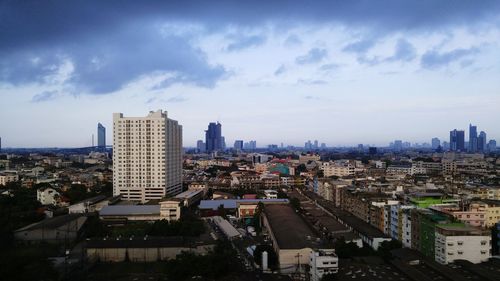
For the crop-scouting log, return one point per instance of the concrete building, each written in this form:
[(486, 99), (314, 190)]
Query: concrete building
[(169, 209), (295, 244), (91, 205), (147, 156), (189, 197), (7, 177), (457, 140), (461, 242), (213, 138), (61, 229), (48, 196), (144, 249)]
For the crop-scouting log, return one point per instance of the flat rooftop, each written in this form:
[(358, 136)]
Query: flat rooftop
[(290, 231), (233, 203), (125, 210)]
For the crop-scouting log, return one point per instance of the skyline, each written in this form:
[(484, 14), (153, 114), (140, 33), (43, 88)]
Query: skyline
[(342, 73)]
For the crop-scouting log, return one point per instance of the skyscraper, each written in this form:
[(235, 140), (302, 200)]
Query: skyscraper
[(147, 156), (200, 146), (213, 137), (398, 145), (481, 142), (457, 140), (472, 138), (101, 135), (435, 143), (238, 144)]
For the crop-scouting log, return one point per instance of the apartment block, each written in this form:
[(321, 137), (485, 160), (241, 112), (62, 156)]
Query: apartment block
[(147, 156)]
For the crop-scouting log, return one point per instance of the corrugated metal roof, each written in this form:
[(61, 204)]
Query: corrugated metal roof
[(233, 203)]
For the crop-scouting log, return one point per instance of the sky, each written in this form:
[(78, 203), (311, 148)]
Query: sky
[(341, 72)]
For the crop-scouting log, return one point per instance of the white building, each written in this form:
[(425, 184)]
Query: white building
[(48, 196), (271, 194), (322, 262), (169, 209), (461, 242), (147, 156), (8, 177)]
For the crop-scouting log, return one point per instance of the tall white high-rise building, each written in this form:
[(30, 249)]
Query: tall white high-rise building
[(147, 156)]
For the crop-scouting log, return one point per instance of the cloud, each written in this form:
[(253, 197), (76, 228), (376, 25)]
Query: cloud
[(314, 55), (433, 59), (280, 70), (177, 99), (246, 42), (311, 82), (45, 96), (359, 47), (404, 52), (329, 67), (105, 65), (292, 40)]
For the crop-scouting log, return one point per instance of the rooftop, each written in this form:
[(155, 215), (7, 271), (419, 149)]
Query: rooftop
[(51, 223), (122, 210), (233, 203), (290, 231)]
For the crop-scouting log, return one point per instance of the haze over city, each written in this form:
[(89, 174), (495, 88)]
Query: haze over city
[(343, 73)]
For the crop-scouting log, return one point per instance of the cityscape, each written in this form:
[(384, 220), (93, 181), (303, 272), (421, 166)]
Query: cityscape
[(343, 140)]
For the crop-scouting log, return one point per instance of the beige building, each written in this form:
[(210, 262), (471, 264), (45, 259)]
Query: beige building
[(147, 156), (8, 177)]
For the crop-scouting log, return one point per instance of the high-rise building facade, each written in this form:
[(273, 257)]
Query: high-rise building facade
[(147, 156), (435, 143), (213, 137), (457, 140), (238, 144), (200, 146), (481, 142), (472, 138), (101, 135)]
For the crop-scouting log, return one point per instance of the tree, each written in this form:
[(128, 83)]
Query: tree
[(301, 168), (385, 248), (222, 211)]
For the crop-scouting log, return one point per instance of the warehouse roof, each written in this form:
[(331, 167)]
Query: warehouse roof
[(290, 231), (233, 203), (51, 223)]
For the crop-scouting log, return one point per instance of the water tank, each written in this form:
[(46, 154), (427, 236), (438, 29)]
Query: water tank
[(264, 261)]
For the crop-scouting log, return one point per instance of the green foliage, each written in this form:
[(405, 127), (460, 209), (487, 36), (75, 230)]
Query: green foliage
[(221, 211), (282, 195), (218, 263), (22, 265), (329, 277), (183, 227), (301, 168)]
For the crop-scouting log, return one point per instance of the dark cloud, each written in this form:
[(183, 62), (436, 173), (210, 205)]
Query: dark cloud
[(105, 65), (112, 43), (280, 70), (314, 55), (245, 42), (433, 59), (45, 96)]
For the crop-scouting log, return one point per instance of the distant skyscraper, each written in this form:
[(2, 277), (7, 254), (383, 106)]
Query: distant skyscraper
[(398, 145), (316, 145), (446, 145), (481, 142), (238, 144), (457, 140), (492, 145), (372, 150), (472, 138), (200, 146), (101, 135), (213, 137), (308, 145), (435, 143), (147, 156)]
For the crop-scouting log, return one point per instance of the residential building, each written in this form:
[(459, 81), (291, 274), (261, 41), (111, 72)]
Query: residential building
[(7, 177), (457, 241), (435, 142), (147, 156), (48, 196), (201, 146)]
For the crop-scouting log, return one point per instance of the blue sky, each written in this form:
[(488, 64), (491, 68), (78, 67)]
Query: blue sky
[(342, 72)]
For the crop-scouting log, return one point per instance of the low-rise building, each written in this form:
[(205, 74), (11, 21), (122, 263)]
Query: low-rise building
[(168, 209), (458, 241), (59, 229)]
